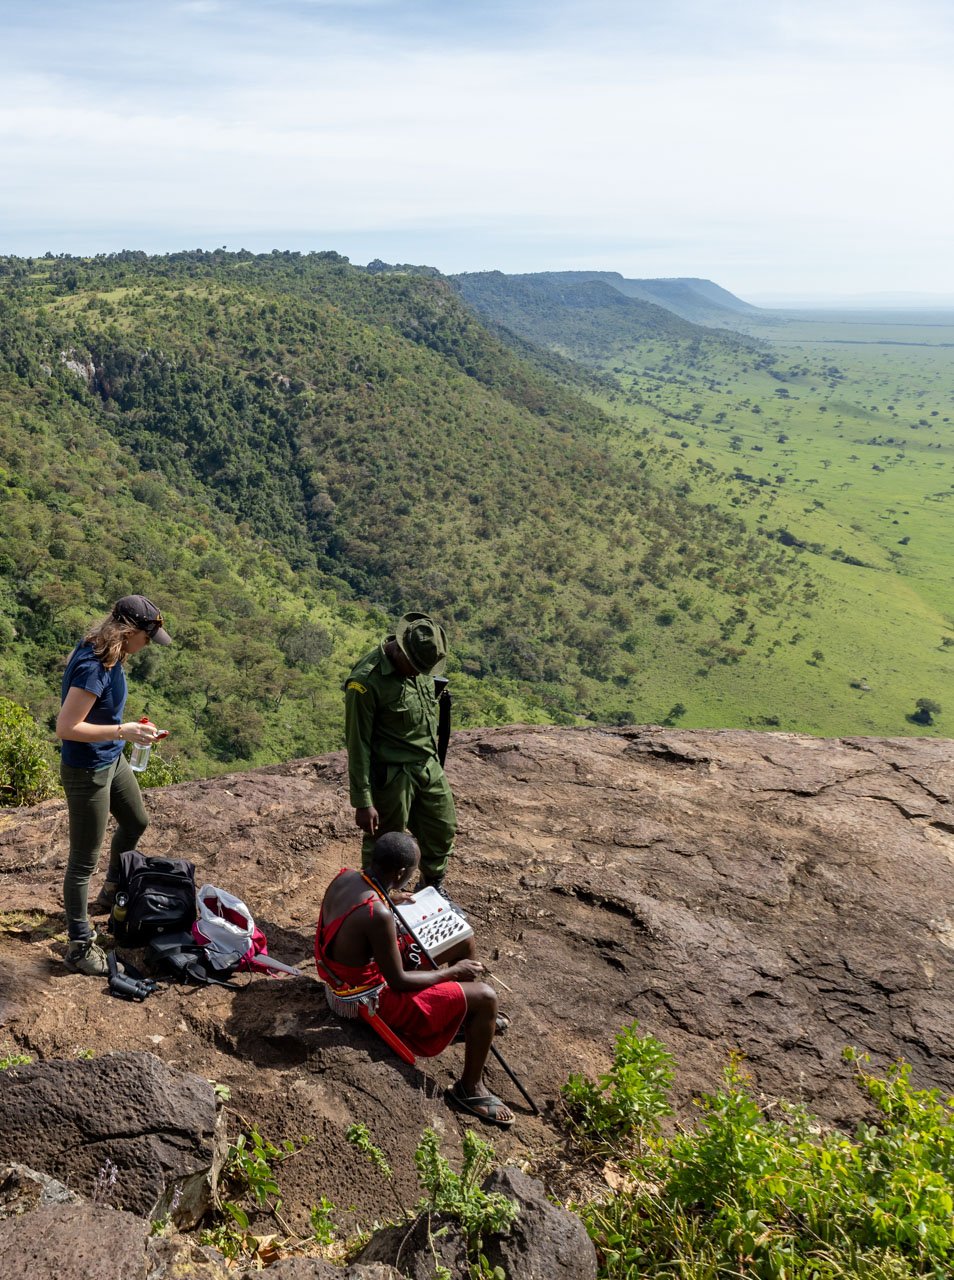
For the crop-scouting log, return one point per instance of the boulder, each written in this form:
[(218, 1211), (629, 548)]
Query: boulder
[(545, 1242), (123, 1129), (176, 1257), (318, 1269), (416, 1249), (22, 1190), (74, 1242)]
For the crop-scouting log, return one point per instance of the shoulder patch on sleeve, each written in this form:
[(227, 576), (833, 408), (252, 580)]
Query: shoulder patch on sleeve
[(356, 686)]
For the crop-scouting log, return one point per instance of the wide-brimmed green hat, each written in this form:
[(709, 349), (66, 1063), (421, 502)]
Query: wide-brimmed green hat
[(423, 643)]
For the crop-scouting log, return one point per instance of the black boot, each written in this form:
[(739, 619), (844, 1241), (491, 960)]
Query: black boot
[(430, 882)]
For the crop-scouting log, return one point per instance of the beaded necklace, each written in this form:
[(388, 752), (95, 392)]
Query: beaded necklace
[(373, 884)]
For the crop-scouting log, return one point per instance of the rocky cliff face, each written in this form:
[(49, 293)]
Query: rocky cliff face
[(778, 895)]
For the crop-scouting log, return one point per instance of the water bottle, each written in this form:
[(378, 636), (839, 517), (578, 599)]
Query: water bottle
[(139, 756), (120, 907)]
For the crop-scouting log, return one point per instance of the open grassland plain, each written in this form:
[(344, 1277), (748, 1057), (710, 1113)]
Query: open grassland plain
[(834, 436)]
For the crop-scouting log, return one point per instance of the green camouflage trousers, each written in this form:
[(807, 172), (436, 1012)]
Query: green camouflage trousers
[(415, 798)]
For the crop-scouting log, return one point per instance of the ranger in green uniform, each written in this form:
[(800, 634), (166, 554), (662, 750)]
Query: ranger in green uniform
[(391, 714)]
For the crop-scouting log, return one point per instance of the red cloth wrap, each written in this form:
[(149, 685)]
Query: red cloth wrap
[(426, 1020)]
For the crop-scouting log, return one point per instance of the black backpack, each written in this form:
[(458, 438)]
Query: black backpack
[(159, 898)]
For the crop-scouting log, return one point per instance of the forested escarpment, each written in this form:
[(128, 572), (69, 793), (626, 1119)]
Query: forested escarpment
[(273, 445), (592, 315), (699, 301)]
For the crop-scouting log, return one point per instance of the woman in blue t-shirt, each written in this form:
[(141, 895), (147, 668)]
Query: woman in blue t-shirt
[(95, 774)]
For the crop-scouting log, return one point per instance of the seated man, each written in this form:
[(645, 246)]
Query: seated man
[(356, 947)]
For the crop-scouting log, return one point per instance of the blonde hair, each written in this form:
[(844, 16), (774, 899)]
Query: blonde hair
[(108, 639)]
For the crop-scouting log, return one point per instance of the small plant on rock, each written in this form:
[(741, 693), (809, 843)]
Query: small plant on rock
[(631, 1098), (250, 1170), (453, 1197), (106, 1178), (460, 1197), (359, 1136), (15, 1060), (322, 1224)]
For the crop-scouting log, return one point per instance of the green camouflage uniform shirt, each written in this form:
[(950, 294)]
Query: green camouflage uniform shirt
[(388, 721)]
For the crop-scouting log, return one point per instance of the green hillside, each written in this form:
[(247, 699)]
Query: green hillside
[(271, 446), (835, 437), (582, 311), (286, 451)]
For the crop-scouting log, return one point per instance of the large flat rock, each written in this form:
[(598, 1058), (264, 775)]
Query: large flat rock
[(121, 1128), (775, 894)]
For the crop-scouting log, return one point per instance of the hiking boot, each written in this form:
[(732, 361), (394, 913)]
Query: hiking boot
[(83, 956), (102, 904)]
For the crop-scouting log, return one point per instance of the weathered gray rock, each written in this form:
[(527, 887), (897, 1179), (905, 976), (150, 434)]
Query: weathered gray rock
[(318, 1269), (178, 1257), (124, 1129), (545, 1242), (418, 1248), (22, 1190), (73, 1242)]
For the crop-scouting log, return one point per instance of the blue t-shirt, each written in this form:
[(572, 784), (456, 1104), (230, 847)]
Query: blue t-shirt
[(85, 671)]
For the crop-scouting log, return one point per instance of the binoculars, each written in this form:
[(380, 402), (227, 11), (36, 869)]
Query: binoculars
[(124, 985)]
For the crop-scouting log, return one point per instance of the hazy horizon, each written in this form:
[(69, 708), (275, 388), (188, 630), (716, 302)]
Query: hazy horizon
[(875, 301), (791, 151)]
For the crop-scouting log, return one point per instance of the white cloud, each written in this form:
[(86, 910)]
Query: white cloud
[(798, 152)]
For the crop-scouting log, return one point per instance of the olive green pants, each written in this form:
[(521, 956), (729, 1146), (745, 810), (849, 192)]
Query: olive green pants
[(91, 796), (415, 798)]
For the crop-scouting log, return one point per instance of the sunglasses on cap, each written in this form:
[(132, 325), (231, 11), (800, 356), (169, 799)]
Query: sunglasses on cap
[(149, 625)]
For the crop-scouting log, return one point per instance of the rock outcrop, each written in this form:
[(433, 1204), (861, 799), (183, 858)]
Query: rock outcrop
[(545, 1242), (74, 1242), (123, 1129), (778, 895)]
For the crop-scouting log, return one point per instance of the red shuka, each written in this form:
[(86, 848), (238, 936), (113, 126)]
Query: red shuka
[(426, 1020)]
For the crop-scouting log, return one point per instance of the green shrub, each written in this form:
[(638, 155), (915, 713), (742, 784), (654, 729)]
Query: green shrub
[(784, 1198), (459, 1196), (630, 1098), (455, 1197), (26, 771), (161, 771), (250, 1175)]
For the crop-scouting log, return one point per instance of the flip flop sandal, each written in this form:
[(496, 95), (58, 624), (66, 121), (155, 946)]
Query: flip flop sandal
[(485, 1107)]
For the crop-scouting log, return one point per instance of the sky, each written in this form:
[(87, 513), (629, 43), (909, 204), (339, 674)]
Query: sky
[(790, 150)]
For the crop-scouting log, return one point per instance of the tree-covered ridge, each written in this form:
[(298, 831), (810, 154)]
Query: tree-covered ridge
[(260, 649), (259, 441), (700, 301), (592, 316)]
